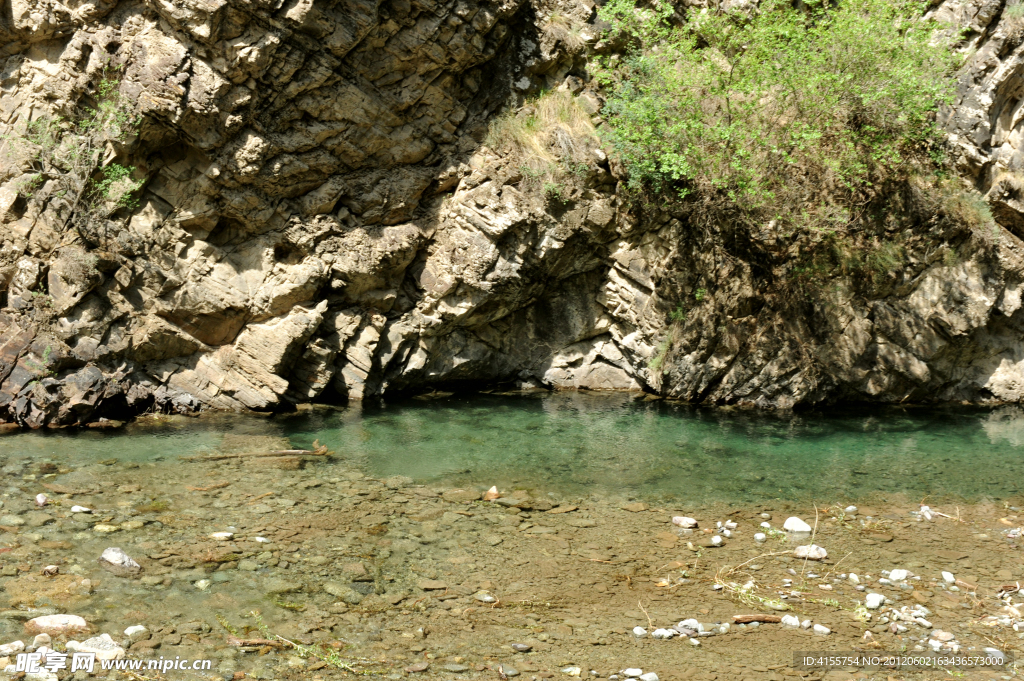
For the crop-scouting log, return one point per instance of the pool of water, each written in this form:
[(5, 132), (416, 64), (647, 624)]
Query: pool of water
[(590, 443)]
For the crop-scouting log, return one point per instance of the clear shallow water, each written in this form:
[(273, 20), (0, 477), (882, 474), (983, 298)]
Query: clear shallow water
[(580, 443)]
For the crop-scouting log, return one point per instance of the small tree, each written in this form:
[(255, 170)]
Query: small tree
[(72, 159)]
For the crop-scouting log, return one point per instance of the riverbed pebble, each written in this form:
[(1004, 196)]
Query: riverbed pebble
[(684, 522), (873, 601), (103, 646), (794, 524), (116, 561), (12, 648), (760, 537), (810, 552), (56, 625)]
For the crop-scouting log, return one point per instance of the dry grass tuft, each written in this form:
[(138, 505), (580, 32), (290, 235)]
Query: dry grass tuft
[(547, 139)]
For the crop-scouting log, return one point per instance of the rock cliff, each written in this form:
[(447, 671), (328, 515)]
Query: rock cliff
[(321, 215)]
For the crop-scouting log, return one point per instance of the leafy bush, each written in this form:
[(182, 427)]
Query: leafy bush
[(776, 113)]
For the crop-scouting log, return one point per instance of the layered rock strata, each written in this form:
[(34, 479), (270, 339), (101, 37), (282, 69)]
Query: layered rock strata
[(323, 218)]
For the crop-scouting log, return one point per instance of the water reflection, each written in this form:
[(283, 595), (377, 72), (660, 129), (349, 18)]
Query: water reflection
[(584, 442)]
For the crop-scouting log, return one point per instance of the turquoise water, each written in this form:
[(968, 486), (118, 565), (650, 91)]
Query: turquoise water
[(590, 443)]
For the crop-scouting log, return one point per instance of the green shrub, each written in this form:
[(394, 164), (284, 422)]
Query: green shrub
[(776, 113)]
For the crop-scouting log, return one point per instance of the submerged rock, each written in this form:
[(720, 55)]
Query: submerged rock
[(118, 562), (102, 646), (56, 625)]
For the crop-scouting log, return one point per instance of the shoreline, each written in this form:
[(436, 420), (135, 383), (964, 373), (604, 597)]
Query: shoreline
[(402, 575)]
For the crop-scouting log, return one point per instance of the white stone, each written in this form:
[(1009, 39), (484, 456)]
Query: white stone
[(203, 584), (873, 601), (730, 525), (791, 621), (56, 625), (691, 624), (943, 636), (716, 541), (639, 632), (760, 537), (80, 509), (806, 624), (935, 645), (822, 630), (766, 526), (899, 575), (924, 623), (572, 671), (853, 578), (850, 509), (262, 540), (135, 630), (39, 641), (948, 578), (12, 648), (632, 672), (649, 676), (102, 645), (794, 524), (810, 552), (222, 536), (684, 522), (694, 642), (663, 634), (117, 561)]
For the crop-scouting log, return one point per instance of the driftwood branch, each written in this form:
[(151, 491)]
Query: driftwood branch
[(747, 619), (318, 450)]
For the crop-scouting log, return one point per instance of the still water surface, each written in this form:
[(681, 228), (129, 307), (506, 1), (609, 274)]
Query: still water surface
[(590, 443)]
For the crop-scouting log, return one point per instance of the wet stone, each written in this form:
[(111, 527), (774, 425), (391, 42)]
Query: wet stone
[(431, 585), (276, 585), (37, 519)]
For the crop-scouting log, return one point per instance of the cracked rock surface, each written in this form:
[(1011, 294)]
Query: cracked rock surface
[(322, 218)]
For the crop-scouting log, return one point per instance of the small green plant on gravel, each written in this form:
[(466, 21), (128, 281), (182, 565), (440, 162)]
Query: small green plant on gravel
[(223, 621), (746, 594), (796, 113)]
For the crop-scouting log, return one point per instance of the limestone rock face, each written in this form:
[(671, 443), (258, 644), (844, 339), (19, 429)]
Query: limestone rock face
[(322, 217)]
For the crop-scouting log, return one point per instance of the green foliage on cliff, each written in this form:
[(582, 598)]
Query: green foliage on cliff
[(68, 163), (801, 116)]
